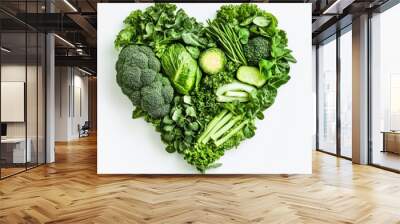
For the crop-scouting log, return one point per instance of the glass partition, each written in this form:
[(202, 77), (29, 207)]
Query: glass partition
[(14, 155), (346, 93), (385, 90), (22, 77), (41, 97), (327, 96), (32, 96)]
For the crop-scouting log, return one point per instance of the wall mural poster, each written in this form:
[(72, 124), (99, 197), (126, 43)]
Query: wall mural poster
[(204, 88)]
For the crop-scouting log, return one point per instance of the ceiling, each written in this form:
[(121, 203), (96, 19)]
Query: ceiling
[(75, 22)]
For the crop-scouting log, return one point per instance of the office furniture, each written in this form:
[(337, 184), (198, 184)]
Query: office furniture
[(3, 130), (13, 150), (391, 141), (84, 130)]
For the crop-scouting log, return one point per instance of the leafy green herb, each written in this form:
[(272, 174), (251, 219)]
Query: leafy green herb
[(243, 35), (161, 25), (261, 21)]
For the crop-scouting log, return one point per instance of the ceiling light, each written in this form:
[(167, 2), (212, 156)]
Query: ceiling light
[(70, 5), (64, 40), (338, 6), (5, 50), (84, 71)]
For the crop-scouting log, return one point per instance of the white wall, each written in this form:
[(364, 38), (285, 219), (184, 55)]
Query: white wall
[(34, 126), (283, 140), (70, 83), (17, 73)]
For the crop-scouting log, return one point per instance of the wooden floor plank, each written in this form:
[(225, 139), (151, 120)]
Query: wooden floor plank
[(70, 191)]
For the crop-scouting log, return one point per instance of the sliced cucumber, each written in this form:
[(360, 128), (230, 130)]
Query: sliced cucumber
[(251, 75), (237, 94), (226, 99), (212, 61)]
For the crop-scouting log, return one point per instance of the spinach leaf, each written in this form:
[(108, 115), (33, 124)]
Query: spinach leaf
[(161, 25)]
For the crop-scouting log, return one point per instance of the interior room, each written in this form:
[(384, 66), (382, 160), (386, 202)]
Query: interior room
[(385, 91), (22, 102), (309, 133)]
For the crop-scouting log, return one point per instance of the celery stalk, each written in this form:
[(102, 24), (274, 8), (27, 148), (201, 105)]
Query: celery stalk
[(211, 125), (226, 128), (230, 134), (221, 123)]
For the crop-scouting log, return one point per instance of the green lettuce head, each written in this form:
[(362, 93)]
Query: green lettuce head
[(181, 68)]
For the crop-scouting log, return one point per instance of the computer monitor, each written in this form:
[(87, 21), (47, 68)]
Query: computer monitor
[(3, 129)]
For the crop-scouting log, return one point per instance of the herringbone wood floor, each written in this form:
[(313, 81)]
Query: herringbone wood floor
[(70, 191)]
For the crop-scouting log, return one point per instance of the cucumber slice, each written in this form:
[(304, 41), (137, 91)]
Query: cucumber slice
[(251, 75), (212, 61), (237, 94)]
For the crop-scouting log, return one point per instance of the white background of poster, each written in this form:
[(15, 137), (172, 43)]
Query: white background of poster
[(283, 140)]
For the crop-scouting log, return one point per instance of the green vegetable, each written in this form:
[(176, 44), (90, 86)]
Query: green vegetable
[(212, 61), (230, 134), (228, 40), (180, 127), (181, 68), (235, 91), (220, 123), (236, 94), (251, 75), (139, 78), (258, 48), (160, 25), (211, 125), (225, 128), (243, 35), (221, 128), (215, 113), (261, 21), (193, 51), (249, 16)]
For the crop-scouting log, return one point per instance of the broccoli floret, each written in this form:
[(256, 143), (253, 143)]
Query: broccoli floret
[(137, 75), (148, 76), (153, 62), (135, 97), (156, 96), (167, 92), (256, 49), (130, 77), (159, 112), (139, 60)]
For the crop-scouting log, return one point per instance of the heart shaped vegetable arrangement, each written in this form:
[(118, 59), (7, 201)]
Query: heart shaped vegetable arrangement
[(202, 86)]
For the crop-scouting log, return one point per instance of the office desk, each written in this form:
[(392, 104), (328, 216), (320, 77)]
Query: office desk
[(391, 141), (17, 150)]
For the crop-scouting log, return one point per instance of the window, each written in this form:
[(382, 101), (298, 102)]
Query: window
[(22, 77), (346, 93), (327, 96), (385, 90)]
